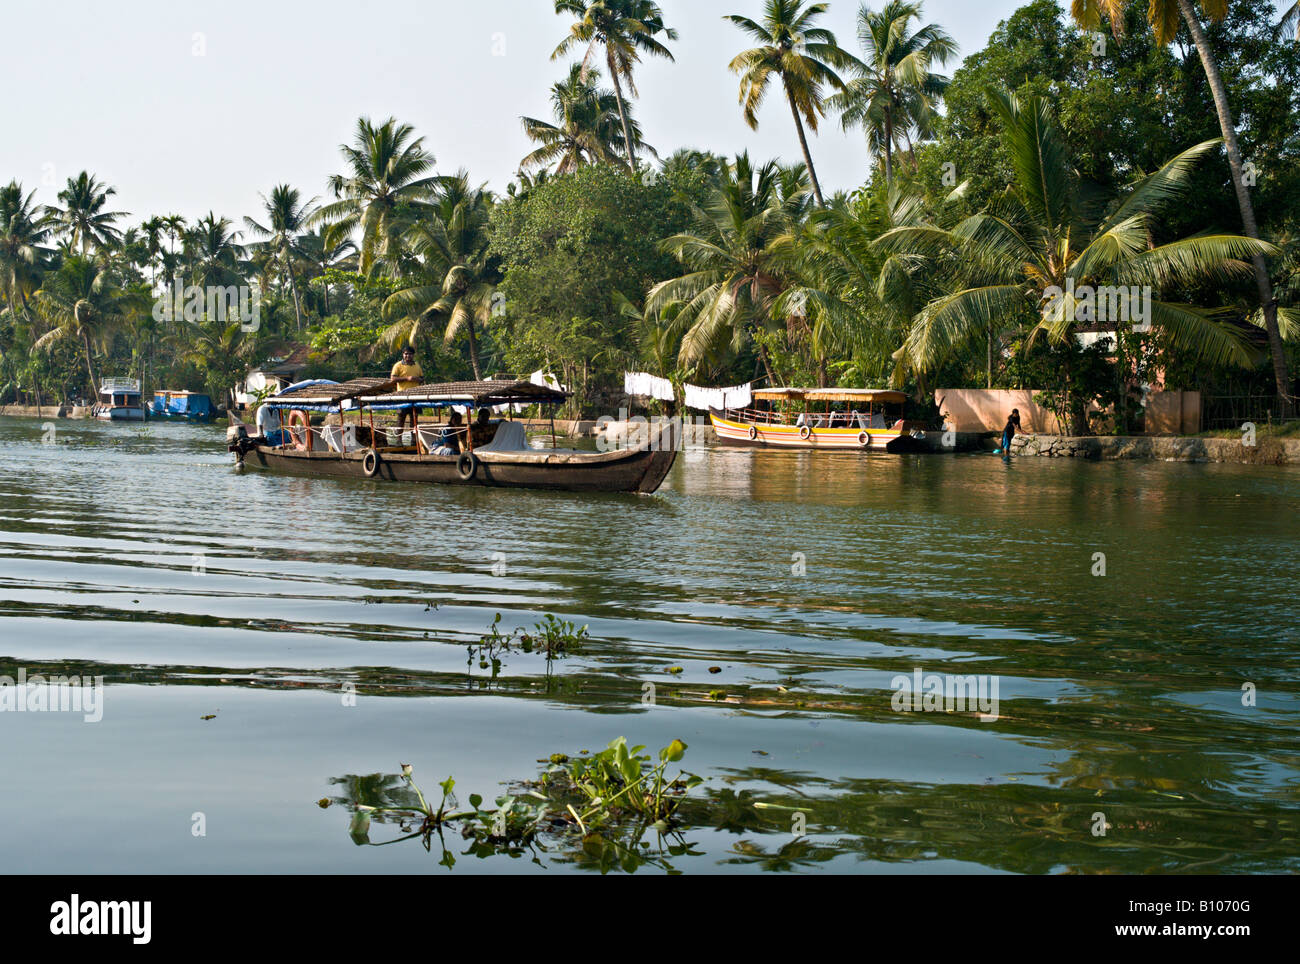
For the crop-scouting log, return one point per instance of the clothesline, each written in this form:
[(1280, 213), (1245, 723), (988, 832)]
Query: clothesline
[(651, 386)]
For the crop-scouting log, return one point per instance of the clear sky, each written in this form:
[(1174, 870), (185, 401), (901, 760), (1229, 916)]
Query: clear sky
[(188, 106)]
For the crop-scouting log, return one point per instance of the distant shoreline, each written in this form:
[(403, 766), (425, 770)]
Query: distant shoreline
[(1102, 448)]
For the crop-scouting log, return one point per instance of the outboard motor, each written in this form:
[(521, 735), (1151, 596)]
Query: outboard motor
[(240, 442)]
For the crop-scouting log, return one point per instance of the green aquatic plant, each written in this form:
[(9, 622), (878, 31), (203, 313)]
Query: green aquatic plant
[(554, 637), (433, 819), (605, 795), (620, 781)]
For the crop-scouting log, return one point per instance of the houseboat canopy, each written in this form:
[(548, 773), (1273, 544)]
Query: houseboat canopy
[(475, 394), (323, 395), (853, 395)]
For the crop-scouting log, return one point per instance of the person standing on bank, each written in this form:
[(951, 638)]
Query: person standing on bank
[(408, 374), (1010, 429)]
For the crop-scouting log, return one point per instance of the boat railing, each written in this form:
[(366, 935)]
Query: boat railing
[(120, 386), (756, 415), (859, 420)]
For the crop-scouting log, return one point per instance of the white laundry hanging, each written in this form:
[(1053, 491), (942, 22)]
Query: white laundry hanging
[(649, 386), (737, 396)]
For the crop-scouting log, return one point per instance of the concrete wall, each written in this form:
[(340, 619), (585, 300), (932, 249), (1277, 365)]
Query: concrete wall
[(1173, 413), (981, 409), (986, 410)]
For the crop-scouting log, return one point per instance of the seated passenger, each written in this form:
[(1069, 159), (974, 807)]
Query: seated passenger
[(449, 443), (483, 429), (270, 426)]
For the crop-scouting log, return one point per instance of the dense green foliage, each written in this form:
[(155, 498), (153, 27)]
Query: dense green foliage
[(1055, 154)]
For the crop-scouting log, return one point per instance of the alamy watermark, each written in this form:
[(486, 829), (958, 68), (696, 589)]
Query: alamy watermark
[(946, 693), (1123, 304), (659, 433), (128, 918), (196, 303), (53, 694)]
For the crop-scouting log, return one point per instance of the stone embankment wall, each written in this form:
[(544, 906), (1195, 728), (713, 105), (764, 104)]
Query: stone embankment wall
[(1174, 448)]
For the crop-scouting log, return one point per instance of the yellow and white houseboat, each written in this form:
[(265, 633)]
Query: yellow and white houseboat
[(818, 418)]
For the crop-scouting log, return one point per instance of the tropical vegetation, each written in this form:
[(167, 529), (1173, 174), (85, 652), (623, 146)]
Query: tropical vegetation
[(1150, 148)]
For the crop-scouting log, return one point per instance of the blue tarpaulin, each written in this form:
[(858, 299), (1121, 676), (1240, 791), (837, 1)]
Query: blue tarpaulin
[(193, 407)]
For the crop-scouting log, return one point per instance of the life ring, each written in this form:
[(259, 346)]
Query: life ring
[(753, 432), (864, 439), (804, 432), (466, 465), (370, 463), (299, 417)]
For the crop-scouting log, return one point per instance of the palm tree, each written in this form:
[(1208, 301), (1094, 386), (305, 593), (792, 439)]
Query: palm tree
[(1290, 22), (691, 159), (894, 90), (82, 219), (854, 294), (325, 257), (221, 350), (286, 216), (153, 231), (1040, 237), (587, 128), (804, 57), (739, 258), (1163, 16), (22, 233), (626, 29), (456, 280), (81, 303), (175, 226), (379, 195), (216, 251)]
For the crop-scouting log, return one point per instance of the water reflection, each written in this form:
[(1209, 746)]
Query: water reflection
[(1121, 694)]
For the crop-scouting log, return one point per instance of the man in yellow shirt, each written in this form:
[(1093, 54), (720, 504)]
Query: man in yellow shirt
[(408, 374)]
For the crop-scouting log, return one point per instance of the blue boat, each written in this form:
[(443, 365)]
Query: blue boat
[(182, 406)]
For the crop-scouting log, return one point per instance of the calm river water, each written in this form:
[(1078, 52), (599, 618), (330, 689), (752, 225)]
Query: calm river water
[(138, 554)]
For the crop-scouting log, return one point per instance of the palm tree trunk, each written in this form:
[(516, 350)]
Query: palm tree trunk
[(622, 112), (1262, 281), (90, 368), (767, 369), (293, 286), (889, 148), (807, 157), (473, 353)]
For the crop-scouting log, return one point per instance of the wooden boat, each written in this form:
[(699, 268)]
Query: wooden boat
[(360, 449), (121, 401), (865, 418)]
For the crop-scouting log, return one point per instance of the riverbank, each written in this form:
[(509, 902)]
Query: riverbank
[(38, 411), (1162, 448)]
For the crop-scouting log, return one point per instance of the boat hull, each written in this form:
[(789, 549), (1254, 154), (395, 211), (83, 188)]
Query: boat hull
[(622, 471), (172, 417), (121, 414), (757, 435)]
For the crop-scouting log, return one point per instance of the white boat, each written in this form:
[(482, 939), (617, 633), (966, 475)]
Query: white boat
[(119, 400)]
